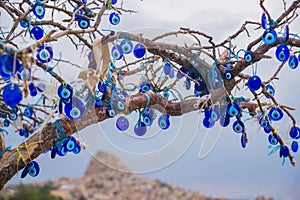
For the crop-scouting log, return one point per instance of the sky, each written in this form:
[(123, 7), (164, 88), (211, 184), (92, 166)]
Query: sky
[(173, 155)]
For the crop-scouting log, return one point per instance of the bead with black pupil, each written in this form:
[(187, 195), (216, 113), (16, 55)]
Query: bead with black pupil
[(238, 126), (127, 46), (147, 120), (269, 36), (275, 114), (6, 123), (36, 33), (264, 122), (13, 116), (83, 23), (264, 21), (34, 169), (12, 94), (145, 87), (24, 73), (28, 112), (38, 10), (228, 75), (273, 139), (44, 54), (74, 110), (249, 56), (110, 112), (233, 109), (65, 91), (117, 52), (70, 144), (293, 62), (61, 151), (295, 146), (140, 129), (254, 83), (77, 149), (139, 50), (282, 53), (23, 23), (270, 89), (114, 18), (122, 123)]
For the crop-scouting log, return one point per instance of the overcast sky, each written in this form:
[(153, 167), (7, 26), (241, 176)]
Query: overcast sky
[(228, 170)]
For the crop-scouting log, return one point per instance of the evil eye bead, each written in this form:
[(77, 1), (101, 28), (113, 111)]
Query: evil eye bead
[(12, 94), (24, 74), (268, 129), (164, 122), (264, 122), (65, 91), (122, 123), (140, 129), (28, 112), (254, 83), (295, 146), (145, 87), (114, 18), (83, 23), (127, 46), (264, 21), (70, 144), (269, 36), (38, 10), (270, 89), (182, 72), (147, 120), (44, 54), (294, 132), (238, 126), (282, 53), (6, 123), (34, 169), (224, 120), (117, 52), (75, 110), (199, 86), (110, 112), (286, 34), (9, 66), (275, 114), (228, 75), (77, 149), (13, 116), (273, 139), (139, 50), (243, 141), (24, 23), (249, 56), (120, 106), (36, 33), (284, 151), (233, 109), (293, 62), (62, 151), (215, 113), (208, 122)]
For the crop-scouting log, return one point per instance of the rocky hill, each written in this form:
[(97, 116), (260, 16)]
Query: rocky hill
[(105, 183)]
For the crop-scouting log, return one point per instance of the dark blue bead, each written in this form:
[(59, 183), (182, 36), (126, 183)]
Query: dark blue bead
[(117, 52), (282, 53), (187, 84), (70, 144), (243, 141), (249, 56), (114, 18), (269, 36), (268, 129), (12, 95), (233, 109), (145, 87), (6, 123), (23, 23), (224, 120), (270, 89), (264, 21), (34, 169), (167, 68), (284, 151), (127, 46), (25, 171), (182, 72), (254, 83), (113, 2), (238, 126), (38, 10), (275, 114), (44, 54), (264, 122), (9, 66), (140, 129), (228, 75), (122, 123), (83, 22), (293, 62), (36, 33), (208, 122), (65, 91), (28, 112), (295, 146), (139, 50), (294, 132), (102, 87), (75, 110), (77, 149), (273, 139)]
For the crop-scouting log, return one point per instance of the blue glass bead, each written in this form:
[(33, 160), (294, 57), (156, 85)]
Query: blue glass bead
[(224, 120), (182, 72), (284, 151), (61, 151), (13, 116), (166, 94), (23, 23), (172, 73), (243, 141), (32, 89), (28, 112), (122, 123), (139, 50), (215, 113), (167, 68), (25, 171), (83, 23), (34, 169), (98, 103), (145, 87), (254, 83), (295, 146), (164, 122), (6, 123), (102, 87), (12, 95), (293, 62), (147, 120), (270, 89), (282, 53), (113, 2), (275, 114), (233, 109), (24, 73), (187, 84), (38, 10), (44, 54), (75, 110), (264, 122), (269, 36), (117, 52), (120, 106), (208, 122), (53, 152), (249, 56), (9, 66), (70, 144), (65, 91), (140, 129), (110, 112), (114, 18), (14, 109), (199, 86), (207, 112), (127, 46), (294, 132), (36, 33), (238, 126), (228, 75), (273, 139), (268, 129), (21, 132), (286, 34), (264, 21), (77, 149)]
